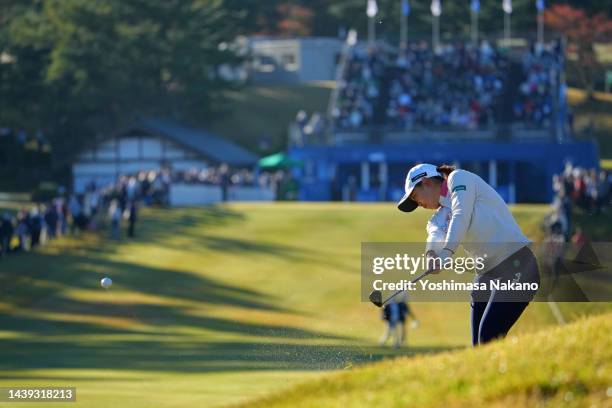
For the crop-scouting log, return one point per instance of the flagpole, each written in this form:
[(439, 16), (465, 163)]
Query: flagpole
[(540, 27), (371, 11), (436, 10), (403, 29), (507, 28), (474, 27), (435, 34), (475, 10), (507, 7)]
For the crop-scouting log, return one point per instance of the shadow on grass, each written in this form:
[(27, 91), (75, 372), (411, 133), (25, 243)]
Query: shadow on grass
[(34, 284), (39, 290), (157, 318), (160, 225), (44, 276), (191, 227), (25, 278)]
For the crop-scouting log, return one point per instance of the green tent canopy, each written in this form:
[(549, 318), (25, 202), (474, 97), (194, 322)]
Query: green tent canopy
[(278, 160)]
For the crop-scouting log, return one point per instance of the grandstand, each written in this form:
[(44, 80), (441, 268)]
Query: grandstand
[(498, 111)]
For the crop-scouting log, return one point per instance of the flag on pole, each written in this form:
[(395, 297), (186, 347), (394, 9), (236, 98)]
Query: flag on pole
[(436, 8), (372, 9), (507, 6), (475, 5), (405, 7), (540, 5)]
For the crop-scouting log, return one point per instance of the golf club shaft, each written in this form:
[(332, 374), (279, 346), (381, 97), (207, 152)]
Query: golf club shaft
[(418, 278)]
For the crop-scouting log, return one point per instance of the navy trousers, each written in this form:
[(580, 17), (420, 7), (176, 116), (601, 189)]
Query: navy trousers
[(495, 311)]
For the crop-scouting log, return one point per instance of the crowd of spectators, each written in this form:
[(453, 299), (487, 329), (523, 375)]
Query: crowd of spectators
[(72, 214), (280, 180), (115, 204), (541, 66), (30, 228), (153, 187), (223, 175), (456, 86), (576, 187), (360, 88), (459, 86), (109, 205)]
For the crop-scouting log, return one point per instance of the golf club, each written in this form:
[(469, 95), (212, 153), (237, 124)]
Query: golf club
[(376, 295)]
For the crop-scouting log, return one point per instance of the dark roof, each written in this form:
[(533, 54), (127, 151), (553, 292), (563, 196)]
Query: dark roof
[(208, 145)]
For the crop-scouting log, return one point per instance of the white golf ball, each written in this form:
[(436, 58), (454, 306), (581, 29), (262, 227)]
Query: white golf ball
[(106, 282)]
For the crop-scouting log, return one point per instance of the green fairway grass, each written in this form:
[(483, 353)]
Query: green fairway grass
[(566, 366), (217, 305)]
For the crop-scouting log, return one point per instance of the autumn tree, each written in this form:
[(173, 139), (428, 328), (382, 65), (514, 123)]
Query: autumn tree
[(582, 32), (295, 20)]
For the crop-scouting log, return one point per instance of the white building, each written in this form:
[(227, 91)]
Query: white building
[(151, 144), (293, 60)]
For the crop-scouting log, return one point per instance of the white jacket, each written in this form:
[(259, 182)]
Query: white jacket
[(473, 215)]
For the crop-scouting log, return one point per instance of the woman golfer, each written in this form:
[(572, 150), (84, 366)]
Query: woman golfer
[(470, 213)]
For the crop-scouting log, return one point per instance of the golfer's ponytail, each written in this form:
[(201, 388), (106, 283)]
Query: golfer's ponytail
[(445, 169)]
